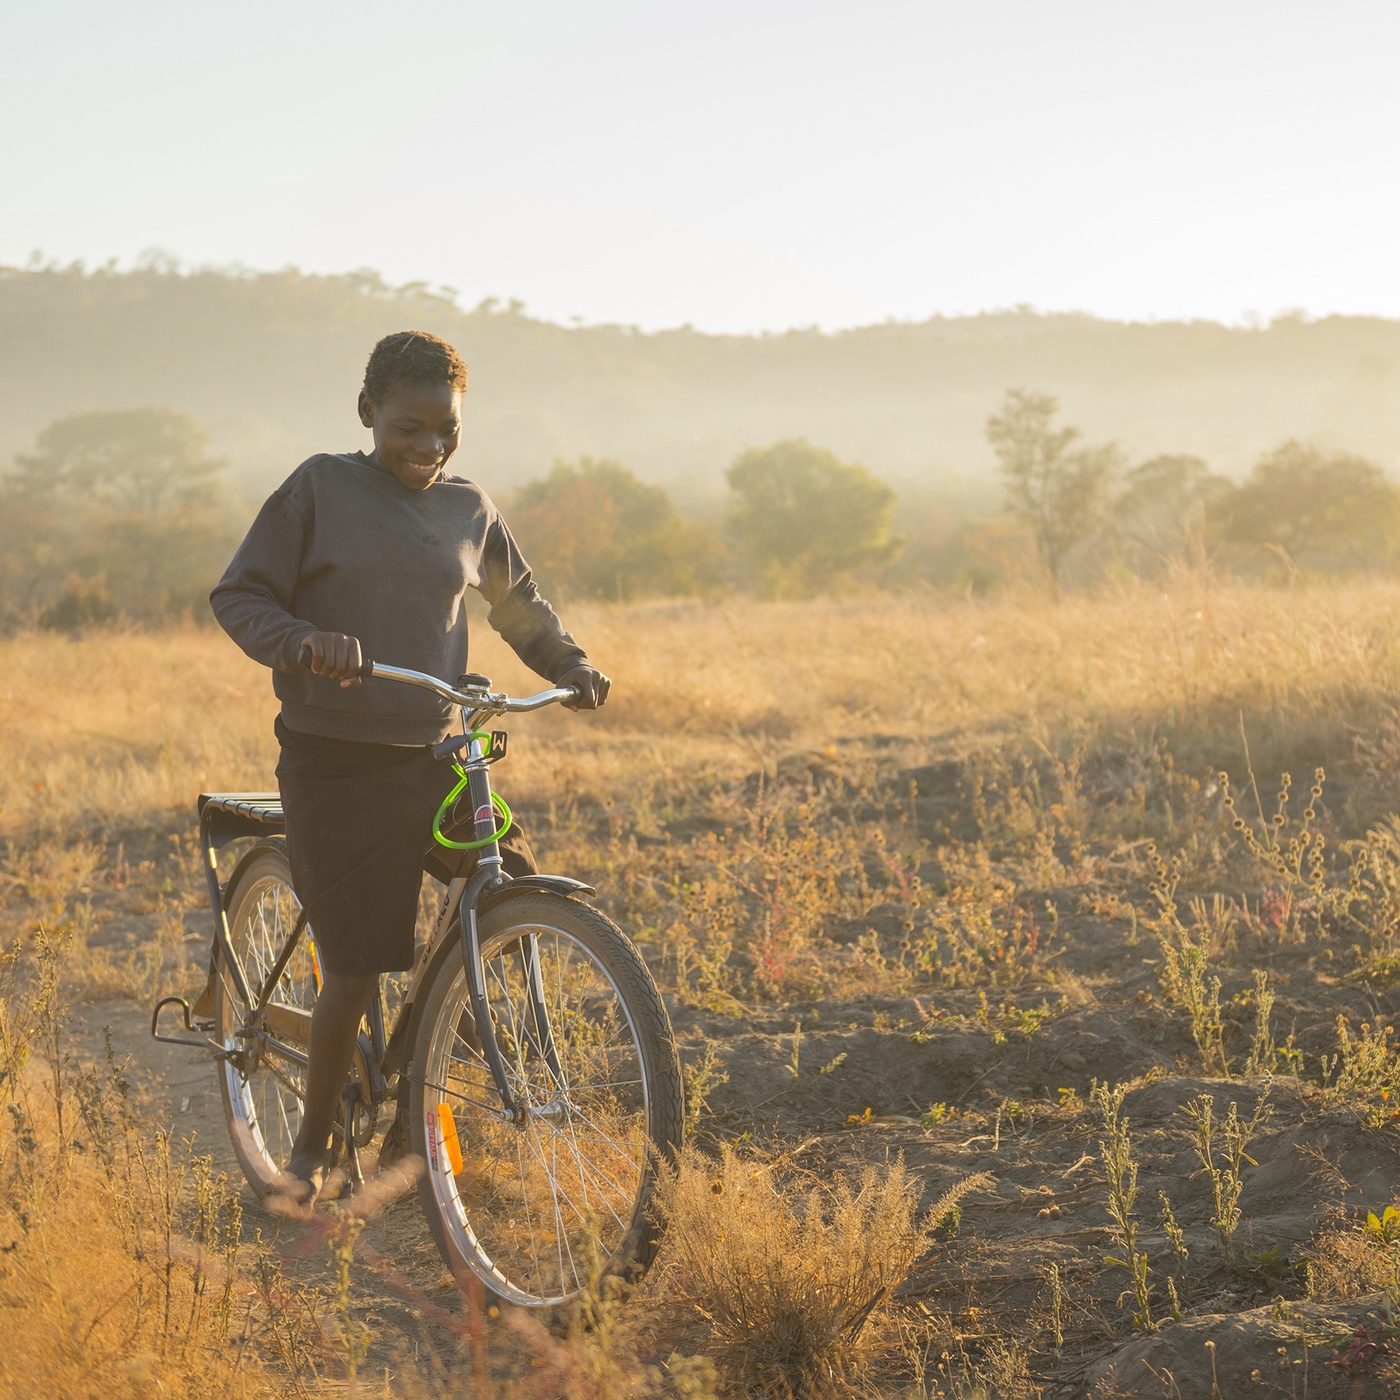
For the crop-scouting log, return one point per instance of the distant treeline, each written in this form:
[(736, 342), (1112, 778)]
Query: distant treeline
[(801, 522), (269, 363), (121, 515)]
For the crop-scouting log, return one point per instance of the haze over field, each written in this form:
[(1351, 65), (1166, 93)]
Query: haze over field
[(743, 168), (269, 363)]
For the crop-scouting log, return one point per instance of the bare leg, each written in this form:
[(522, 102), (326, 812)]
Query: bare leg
[(334, 1023)]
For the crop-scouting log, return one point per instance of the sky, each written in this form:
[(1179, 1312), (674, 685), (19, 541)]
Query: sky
[(738, 165)]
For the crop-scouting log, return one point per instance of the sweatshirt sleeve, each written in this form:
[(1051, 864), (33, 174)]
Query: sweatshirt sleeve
[(518, 612), (253, 601)]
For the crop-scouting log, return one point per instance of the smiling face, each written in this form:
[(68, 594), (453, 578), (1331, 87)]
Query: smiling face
[(416, 429)]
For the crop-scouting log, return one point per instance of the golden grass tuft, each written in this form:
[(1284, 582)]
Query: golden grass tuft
[(790, 1279), (122, 1264)]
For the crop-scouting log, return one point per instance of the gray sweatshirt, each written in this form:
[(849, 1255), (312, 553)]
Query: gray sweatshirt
[(342, 546)]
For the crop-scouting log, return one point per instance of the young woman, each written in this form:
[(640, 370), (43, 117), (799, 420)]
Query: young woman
[(359, 556)]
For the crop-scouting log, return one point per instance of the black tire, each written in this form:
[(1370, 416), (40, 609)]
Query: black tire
[(586, 1146)]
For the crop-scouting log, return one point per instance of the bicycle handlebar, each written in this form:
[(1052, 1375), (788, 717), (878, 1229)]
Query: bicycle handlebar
[(477, 698)]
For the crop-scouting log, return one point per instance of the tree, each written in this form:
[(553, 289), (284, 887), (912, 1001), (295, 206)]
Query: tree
[(1168, 506), (146, 461), (593, 530), (804, 521), (115, 513), (1329, 510), (1057, 489)]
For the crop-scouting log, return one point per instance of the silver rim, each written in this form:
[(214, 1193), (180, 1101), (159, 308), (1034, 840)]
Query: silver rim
[(266, 1102), (541, 1203)]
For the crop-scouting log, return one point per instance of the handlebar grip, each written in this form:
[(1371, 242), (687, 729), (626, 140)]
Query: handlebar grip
[(365, 668)]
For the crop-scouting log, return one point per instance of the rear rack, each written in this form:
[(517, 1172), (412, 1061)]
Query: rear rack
[(223, 817)]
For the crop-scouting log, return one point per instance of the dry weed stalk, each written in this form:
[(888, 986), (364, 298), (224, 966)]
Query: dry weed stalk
[(1176, 1237), (1365, 1066), (1221, 1149), (1057, 1310), (1263, 1054), (1185, 977), (1116, 1151), (786, 1284), (700, 1081)]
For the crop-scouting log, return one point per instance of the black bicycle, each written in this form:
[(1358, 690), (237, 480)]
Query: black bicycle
[(531, 1057)]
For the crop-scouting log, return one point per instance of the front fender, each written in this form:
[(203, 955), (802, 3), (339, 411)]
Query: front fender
[(448, 941), (534, 884)]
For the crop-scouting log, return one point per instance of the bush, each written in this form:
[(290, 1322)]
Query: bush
[(82, 603), (788, 1283), (593, 530), (1167, 510), (1327, 511), (805, 522)]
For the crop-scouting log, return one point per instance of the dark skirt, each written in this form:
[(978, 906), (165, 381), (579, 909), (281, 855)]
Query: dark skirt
[(359, 836)]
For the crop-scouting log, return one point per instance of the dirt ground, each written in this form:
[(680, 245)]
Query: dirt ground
[(919, 918), (857, 1083)]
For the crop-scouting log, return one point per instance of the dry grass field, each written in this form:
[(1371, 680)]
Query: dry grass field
[(1027, 1053)]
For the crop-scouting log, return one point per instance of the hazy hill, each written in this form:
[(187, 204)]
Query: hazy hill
[(270, 363)]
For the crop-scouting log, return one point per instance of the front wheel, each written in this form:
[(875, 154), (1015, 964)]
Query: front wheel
[(538, 1204)]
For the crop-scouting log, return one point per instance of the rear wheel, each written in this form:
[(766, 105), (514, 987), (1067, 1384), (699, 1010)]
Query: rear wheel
[(529, 1203), (262, 1088)]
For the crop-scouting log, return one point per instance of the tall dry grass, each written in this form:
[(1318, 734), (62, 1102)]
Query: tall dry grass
[(112, 730), (125, 1268), (745, 804), (766, 777)]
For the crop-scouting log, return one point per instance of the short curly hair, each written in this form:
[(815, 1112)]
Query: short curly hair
[(412, 357)]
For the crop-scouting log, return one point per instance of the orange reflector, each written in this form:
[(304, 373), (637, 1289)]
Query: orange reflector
[(450, 1144)]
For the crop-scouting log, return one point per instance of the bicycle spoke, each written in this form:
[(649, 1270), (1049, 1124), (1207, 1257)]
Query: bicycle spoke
[(492, 1108), (600, 1176), (627, 1157), (558, 1220), (270, 1095), (593, 1168), (471, 1050), (524, 1196), (556, 1192)]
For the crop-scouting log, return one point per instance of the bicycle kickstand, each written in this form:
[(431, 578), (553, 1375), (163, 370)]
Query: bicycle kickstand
[(352, 1152)]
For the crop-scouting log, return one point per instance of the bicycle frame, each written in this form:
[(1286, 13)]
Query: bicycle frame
[(228, 816), (479, 707)]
